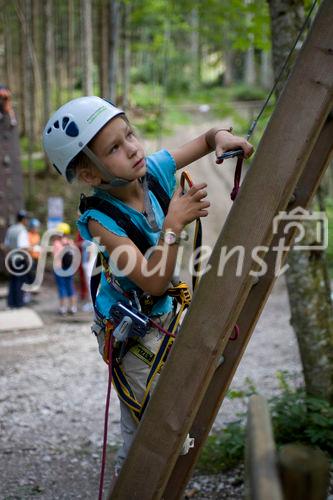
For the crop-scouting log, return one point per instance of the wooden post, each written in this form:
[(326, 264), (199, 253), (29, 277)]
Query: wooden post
[(279, 162), (305, 473), (306, 187), (262, 475)]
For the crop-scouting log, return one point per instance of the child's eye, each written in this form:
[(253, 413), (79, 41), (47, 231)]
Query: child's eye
[(114, 148), (130, 133)]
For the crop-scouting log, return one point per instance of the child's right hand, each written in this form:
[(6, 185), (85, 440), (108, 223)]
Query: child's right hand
[(185, 208)]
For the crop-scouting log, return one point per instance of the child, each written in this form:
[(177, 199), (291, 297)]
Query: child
[(92, 140), (62, 265)]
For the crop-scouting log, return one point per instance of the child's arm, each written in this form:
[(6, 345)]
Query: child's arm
[(216, 139), (154, 275)]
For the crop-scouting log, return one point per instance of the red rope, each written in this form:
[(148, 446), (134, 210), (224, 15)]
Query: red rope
[(106, 421), (237, 178), (236, 331), (161, 329)]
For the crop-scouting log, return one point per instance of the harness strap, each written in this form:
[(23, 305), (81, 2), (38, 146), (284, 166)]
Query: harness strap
[(142, 352)]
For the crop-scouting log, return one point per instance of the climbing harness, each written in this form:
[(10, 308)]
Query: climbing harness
[(239, 153)]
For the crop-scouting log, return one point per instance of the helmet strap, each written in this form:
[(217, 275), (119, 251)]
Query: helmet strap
[(110, 180)]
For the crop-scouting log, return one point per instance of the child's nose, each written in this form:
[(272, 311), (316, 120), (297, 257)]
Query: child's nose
[(131, 149)]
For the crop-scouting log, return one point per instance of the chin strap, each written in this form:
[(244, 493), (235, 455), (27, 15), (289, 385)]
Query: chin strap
[(111, 180)]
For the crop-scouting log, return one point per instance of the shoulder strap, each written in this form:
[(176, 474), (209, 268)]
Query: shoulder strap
[(161, 195), (122, 219)]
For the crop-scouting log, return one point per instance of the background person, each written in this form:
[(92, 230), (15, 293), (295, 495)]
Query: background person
[(17, 238), (63, 259), (34, 244), (83, 283)]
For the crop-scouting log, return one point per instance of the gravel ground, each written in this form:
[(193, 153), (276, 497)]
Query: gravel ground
[(53, 385)]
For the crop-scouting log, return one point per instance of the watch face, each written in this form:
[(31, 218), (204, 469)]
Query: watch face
[(170, 238)]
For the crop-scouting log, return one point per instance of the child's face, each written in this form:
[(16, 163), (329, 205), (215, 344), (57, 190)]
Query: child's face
[(120, 151)]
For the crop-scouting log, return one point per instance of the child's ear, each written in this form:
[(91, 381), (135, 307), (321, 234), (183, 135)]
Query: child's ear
[(89, 176)]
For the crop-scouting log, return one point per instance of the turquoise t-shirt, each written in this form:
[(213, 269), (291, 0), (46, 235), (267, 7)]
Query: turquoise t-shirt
[(162, 165)]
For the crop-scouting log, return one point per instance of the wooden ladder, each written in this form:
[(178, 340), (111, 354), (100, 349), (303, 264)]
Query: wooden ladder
[(289, 163)]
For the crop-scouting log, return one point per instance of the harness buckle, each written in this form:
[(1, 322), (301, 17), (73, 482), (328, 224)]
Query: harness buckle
[(181, 292)]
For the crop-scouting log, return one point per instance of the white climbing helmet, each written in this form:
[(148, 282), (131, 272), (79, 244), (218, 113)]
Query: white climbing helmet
[(72, 126)]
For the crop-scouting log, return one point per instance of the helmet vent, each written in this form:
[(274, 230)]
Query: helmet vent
[(65, 120), (49, 130), (56, 124), (72, 130)]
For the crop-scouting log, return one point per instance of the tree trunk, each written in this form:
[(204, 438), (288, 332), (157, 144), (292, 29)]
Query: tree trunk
[(87, 48), (266, 70), (228, 76), (309, 296), (250, 67), (48, 63), (24, 12), (70, 47), (113, 52), (287, 17), (195, 51), (312, 319), (126, 54), (103, 21), (6, 38), (36, 88), (48, 66)]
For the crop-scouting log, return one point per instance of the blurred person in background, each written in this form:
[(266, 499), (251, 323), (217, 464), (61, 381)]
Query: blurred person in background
[(83, 283), (17, 242), (63, 251), (34, 244)]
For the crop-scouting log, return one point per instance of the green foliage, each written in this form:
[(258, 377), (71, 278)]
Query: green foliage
[(38, 165), (223, 451), (153, 113), (301, 418), (245, 92), (296, 417)]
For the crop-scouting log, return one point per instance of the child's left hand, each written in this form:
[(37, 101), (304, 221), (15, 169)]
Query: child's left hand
[(225, 141)]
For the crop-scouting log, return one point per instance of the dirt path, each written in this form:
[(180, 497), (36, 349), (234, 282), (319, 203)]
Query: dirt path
[(53, 383)]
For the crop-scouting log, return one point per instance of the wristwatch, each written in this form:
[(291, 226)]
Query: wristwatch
[(170, 237)]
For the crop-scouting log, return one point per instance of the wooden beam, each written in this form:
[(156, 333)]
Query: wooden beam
[(305, 472), (280, 159), (262, 474), (306, 187)]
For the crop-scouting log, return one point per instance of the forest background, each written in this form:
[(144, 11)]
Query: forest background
[(166, 63)]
